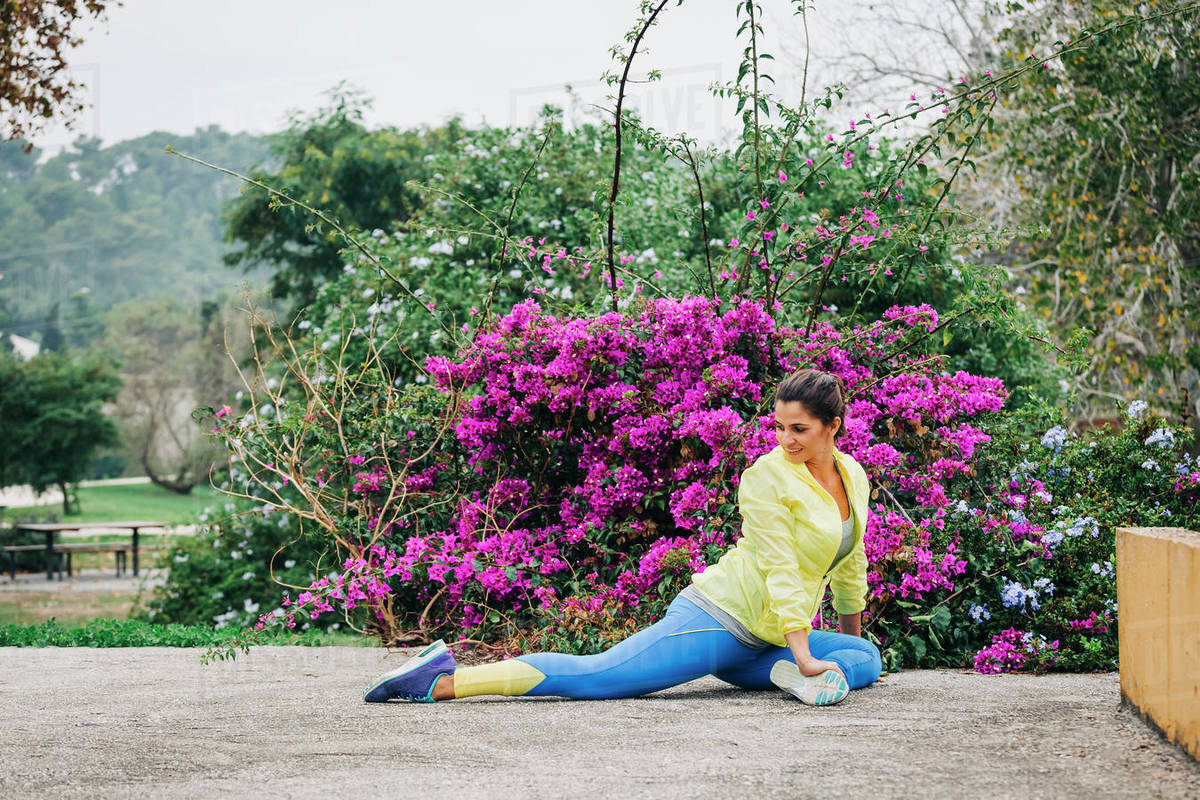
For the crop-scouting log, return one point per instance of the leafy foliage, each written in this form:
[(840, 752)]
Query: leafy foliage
[(1103, 149), (236, 563), (1037, 588), (54, 419), (135, 633), (333, 162), (578, 455), (34, 83), (95, 226)]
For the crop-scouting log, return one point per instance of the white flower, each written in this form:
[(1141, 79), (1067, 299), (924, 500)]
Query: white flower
[(1162, 438), (1136, 409), (1084, 525), (1014, 595), (979, 613), (1056, 437)]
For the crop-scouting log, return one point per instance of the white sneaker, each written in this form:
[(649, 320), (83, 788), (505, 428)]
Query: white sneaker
[(823, 689)]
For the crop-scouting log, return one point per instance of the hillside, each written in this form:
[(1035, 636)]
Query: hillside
[(94, 226)]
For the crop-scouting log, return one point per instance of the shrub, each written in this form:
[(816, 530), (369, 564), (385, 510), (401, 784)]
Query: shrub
[(234, 565), (593, 459)]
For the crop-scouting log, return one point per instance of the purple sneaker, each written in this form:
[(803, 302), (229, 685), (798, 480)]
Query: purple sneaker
[(415, 680)]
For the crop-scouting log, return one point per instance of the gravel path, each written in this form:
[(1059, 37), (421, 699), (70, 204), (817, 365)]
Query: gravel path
[(288, 722)]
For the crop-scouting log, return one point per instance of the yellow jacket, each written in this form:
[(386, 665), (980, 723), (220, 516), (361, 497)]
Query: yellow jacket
[(773, 579)]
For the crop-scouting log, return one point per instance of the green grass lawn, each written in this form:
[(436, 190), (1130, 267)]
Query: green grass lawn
[(72, 609), (138, 501)]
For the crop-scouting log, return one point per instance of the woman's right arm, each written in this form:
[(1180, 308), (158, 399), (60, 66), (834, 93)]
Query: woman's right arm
[(768, 525), (797, 642)]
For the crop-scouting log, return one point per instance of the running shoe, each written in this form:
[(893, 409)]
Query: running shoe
[(823, 689), (414, 681)]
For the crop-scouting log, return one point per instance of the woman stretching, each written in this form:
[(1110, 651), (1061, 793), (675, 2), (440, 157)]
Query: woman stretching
[(748, 618)]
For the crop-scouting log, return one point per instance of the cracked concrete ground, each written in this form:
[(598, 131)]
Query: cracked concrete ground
[(289, 722)]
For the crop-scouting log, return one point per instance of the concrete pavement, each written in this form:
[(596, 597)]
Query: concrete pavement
[(289, 722)]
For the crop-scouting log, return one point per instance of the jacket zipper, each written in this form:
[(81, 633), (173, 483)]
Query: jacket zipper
[(838, 514)]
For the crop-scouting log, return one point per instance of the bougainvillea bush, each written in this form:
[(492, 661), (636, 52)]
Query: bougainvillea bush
[(595, 461)]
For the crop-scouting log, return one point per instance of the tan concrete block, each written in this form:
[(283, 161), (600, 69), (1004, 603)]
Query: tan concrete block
[(1183, 635), (1142, 603)]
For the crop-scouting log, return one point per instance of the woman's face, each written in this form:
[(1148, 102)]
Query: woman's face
[(802, 436)]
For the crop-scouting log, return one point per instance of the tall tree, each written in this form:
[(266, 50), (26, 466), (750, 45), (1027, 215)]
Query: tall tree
[(35, 86), (332, 162), (1103, 150), (173, 360), (53, 340), (53, 411)]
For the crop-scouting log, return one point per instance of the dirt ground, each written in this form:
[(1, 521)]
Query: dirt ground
[(289, 722), (87, 595)]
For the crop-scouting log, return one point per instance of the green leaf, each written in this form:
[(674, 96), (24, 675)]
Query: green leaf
[(941, 618)]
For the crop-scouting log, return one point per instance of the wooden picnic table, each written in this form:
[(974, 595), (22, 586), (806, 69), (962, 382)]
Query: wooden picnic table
[(53, 528)]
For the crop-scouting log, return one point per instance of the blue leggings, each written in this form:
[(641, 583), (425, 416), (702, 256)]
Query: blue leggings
[(684, 645)]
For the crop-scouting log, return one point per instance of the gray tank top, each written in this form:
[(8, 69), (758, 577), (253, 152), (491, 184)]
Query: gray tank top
[(847, 539), (847, 531)]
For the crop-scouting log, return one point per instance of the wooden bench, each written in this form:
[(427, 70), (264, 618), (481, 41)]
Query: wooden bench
[(62, 554), (50, 530), (13, 549), (120, 549)]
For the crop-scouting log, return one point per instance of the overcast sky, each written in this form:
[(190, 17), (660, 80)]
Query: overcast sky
[(166, 65), (245, 65)]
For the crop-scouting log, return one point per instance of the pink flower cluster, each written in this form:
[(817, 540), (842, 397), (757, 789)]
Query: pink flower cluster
[(675, 556), (1011, 650), (1095, 623), (902, 562), (362, 582), (1188, 485)]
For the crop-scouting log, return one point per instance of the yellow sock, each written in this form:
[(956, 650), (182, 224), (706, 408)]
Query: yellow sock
[(510, 678)]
